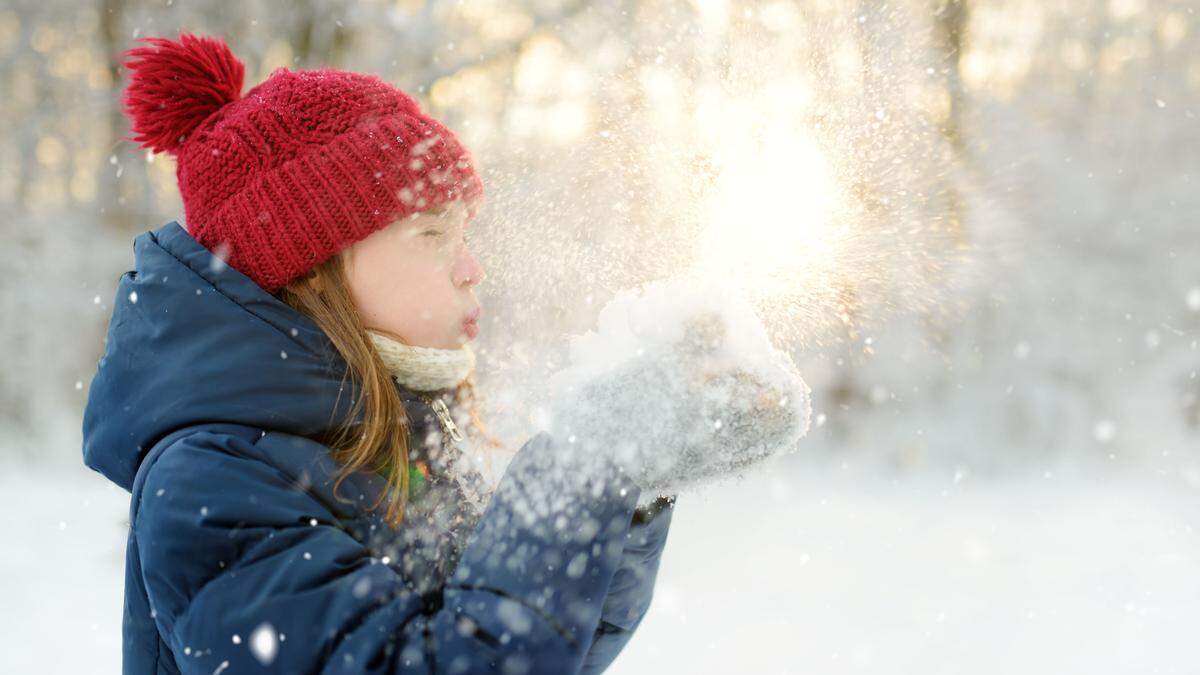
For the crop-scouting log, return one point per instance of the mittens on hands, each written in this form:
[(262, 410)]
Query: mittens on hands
[(711, 401)]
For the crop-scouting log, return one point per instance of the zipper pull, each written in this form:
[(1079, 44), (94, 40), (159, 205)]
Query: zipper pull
[(443, 413)]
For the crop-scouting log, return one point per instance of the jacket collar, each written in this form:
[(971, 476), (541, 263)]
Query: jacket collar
[(191, 341)]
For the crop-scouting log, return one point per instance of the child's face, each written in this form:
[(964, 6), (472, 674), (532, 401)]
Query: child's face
[(416, 279)]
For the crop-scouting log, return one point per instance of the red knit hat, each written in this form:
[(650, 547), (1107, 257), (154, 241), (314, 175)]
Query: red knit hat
[(304, 164)]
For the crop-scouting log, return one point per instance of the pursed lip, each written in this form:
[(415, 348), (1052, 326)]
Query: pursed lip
[(470, 324)]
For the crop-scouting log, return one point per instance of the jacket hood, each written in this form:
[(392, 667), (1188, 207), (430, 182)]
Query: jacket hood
[(192, 340)]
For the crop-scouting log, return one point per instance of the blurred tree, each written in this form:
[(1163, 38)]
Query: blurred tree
[(950, 27), (117, 178), (318, 35)]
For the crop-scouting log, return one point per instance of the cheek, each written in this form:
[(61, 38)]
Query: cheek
[(415, 280), (413, 298)]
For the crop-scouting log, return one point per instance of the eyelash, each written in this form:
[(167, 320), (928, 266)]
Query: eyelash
[(438, 233)]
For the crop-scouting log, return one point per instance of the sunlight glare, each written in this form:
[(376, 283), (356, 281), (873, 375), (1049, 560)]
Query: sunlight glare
[(772, 212)]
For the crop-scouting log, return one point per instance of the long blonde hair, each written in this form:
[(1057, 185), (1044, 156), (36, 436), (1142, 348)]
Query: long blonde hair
[(380, 443)]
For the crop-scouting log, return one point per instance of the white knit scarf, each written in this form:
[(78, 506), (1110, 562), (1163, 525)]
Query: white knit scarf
[(424, 368)]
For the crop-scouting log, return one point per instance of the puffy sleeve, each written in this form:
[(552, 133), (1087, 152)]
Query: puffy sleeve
[(247, 572), (631, 590)]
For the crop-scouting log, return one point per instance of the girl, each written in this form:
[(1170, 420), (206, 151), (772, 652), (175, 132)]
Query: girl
[(283, 390), (287, 381)]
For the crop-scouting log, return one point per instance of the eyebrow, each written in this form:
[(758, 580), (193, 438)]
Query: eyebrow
[(438, 211)]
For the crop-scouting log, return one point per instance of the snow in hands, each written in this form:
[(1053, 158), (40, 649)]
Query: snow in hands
[(679, 384)]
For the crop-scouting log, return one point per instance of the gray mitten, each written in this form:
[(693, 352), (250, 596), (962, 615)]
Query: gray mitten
[(681, 412)]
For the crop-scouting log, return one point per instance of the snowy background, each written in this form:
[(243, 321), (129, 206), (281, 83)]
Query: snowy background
[(984, 256)]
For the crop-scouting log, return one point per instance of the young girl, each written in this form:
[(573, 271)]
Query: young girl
[(283, 392), (287, 383)]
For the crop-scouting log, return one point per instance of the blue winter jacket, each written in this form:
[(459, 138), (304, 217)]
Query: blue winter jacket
[(206, 406)]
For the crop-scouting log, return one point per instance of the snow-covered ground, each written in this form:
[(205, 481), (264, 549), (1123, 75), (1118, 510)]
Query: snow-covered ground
[(812, 570), (803, 567), (62, 573)]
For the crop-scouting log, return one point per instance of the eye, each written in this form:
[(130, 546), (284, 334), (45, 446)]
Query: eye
[(431, 233)]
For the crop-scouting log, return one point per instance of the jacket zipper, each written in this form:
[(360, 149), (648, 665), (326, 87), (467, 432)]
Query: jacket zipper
[(443, 415)]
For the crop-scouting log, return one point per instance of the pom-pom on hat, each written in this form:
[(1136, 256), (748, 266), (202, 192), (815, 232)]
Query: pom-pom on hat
[(304, 164)]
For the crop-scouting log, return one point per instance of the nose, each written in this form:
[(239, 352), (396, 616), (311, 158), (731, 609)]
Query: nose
[(470, 272)]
